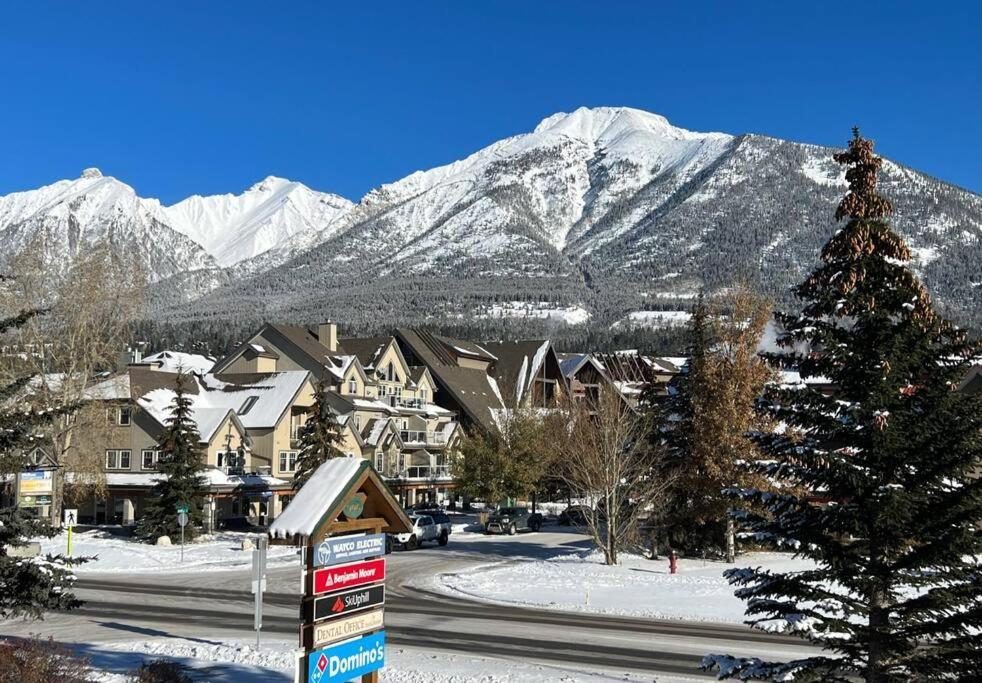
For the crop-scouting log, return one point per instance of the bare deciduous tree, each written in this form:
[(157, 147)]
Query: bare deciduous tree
[(603, 456), (89, 306)]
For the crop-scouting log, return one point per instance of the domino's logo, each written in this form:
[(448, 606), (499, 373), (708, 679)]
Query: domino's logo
[(319, 669), (324, 553)]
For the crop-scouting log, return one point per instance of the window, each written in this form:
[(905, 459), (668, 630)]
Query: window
[(378, 462), (119, 415), (247, 404), (424, 395), (117, 460), (352, 386), (288, 461), (357, 422), (390, 372), (150, 458)]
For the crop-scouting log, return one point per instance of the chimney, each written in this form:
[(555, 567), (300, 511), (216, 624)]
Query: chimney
[(327, 334), (128, 357)]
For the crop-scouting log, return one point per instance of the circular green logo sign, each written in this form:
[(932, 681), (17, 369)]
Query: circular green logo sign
[(354, 507)]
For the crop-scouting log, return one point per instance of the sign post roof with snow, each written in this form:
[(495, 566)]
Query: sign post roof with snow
[(344, 495)]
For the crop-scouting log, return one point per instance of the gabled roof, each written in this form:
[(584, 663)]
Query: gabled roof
[(255, 401), (473, 390), (519, 363), (174, 361), (367, 349), (307, 351)]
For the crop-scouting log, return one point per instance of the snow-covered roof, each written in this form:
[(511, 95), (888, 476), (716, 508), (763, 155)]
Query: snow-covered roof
[(316, 497), (213, 477), (257, 401), (113, 389), (178, 361)]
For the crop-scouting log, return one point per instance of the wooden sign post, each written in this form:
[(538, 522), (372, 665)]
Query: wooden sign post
[(340, 518)]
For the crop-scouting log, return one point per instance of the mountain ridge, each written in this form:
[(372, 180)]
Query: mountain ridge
[(605, 211)]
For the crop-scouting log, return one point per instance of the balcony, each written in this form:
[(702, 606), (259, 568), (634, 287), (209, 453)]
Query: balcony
[(394, 401), (428, 472), (424, 437)]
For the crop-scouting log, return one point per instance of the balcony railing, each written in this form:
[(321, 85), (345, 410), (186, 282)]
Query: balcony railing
[(428, 472), (394, 401), (420, 436)]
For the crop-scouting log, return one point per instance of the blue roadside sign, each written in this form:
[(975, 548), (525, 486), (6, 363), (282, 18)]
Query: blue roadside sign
[(348, 548), (348, 660)]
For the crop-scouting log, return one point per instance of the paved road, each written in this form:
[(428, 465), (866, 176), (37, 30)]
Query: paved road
[(218, 605)]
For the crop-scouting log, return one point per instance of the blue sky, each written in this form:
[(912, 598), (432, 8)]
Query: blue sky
[(183, 98)]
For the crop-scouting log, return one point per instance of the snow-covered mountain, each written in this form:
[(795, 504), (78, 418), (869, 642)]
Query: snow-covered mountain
[(70, 215), (611, 210), (272, 213), (199, 235), (608, 212)]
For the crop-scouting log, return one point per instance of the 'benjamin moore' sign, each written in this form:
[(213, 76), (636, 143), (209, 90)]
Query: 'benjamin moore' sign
[(345, 602), (350, 575), (348, 548), (347, 660), (347, 627)]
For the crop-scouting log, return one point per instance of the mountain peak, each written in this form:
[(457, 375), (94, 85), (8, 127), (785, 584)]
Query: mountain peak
[(271, 183), (587, 122), (92, 172)]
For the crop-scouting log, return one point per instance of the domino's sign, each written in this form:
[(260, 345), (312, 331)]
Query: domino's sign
[(348, 548), (348, 660)]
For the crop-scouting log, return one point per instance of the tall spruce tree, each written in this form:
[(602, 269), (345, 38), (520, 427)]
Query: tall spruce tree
[(672, 429), (181, 462), (896, 589), (28, 586), (320, 438)]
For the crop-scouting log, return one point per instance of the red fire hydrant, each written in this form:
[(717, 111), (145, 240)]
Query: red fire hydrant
[(673, 563)]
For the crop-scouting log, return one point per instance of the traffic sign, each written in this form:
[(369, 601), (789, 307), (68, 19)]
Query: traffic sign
[(347, 660), (349, 575), (336, 630), (182, 519), (70, 518), (348, 548), (344, 603), (184, 508)]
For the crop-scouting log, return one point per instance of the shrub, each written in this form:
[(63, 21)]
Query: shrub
[(40, 661), (161, 671)]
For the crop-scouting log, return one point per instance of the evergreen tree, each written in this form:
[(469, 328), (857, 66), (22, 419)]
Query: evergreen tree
[(671, 429), (320, 438), (181, 462), (28, 587), (896, 593)]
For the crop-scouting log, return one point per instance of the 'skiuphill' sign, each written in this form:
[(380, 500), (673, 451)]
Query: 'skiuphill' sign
[(350, 575), (345, 602), (348, 548), (347, 660)]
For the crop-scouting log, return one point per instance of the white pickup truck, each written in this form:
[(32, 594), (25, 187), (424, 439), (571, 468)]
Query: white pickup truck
[(425, 528)]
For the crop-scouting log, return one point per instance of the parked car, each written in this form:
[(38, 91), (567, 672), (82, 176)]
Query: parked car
[(440, 518), (511, 520), (576, 515), (425, 528)]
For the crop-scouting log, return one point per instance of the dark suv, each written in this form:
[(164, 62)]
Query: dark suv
[(512, 520)]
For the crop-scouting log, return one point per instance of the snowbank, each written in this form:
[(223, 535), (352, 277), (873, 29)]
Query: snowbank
[(113, 554), (274, 662), (636, 587)]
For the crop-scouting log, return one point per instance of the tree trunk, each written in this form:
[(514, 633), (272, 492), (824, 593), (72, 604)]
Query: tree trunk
[(730, 541)]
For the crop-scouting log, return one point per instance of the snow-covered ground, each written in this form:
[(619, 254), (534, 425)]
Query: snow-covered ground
[(654, 320), (635, 587), (115, 554), (274, 662), (571, 315)]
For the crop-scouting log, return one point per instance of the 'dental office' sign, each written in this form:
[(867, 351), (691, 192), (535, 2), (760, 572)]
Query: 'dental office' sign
[(347, 660), (348, 548)]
